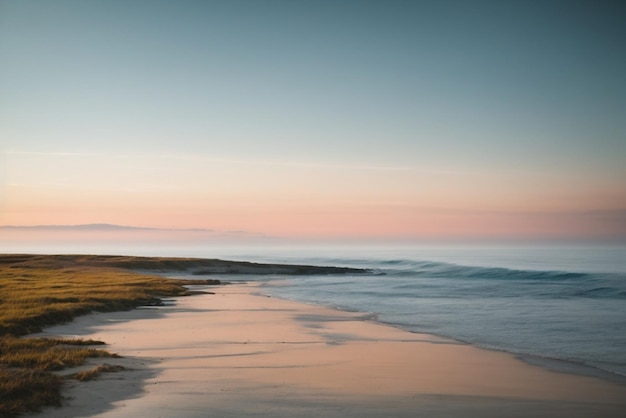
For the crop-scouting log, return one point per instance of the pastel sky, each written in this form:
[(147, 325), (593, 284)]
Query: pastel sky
[(317, 119)]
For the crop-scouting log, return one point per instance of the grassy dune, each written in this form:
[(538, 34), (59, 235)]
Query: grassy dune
[(197, 266), (39, 291)]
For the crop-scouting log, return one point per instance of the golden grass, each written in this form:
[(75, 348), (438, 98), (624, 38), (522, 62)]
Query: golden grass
[(32, 298), (97, 371), (197, 266), (25, 390), (113, 261), (46, 353), (39, 291)]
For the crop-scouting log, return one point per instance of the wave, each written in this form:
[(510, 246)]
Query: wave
[(449, 270), (560, 307), (500, 281), (429, 276)]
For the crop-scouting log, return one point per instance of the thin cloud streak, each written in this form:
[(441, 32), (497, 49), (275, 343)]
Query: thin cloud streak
[(274, 163), (52, 153), (225, 160), (314, 165)]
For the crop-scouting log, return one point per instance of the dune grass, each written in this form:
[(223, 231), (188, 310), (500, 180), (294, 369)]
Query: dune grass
[(26, 364), (97, 371), (46, 354), (41, 291), (32, 298), (26, 390)]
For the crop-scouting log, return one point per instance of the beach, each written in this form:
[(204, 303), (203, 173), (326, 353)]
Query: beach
[(240, 353)]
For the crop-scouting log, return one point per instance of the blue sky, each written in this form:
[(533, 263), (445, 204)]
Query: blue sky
[(514, 106)]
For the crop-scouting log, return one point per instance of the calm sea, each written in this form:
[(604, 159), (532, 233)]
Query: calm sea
[(545, 303)]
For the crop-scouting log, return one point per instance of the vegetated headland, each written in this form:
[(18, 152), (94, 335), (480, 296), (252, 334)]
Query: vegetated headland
[(43, 290)]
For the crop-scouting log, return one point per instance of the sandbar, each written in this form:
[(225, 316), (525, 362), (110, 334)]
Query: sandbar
[(240, 353)]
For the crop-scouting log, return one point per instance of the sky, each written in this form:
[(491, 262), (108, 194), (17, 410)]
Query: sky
[(382, 120)]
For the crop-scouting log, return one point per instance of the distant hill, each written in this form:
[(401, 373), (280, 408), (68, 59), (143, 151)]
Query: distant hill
[(87, 231), (93, 227)]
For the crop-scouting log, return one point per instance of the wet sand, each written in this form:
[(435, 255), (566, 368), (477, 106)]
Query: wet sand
[(241, 354)]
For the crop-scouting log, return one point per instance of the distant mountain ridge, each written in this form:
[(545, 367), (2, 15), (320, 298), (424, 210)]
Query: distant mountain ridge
[(98, 227), (127, 230)]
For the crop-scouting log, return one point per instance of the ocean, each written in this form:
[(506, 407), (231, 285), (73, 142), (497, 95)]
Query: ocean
[(564, 307), (566, 304)]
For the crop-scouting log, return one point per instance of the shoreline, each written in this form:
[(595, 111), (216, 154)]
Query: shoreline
[(553, 364), (549, 363), (238, 352)]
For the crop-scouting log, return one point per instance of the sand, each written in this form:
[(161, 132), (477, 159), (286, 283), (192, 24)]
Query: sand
[(239, 353)]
